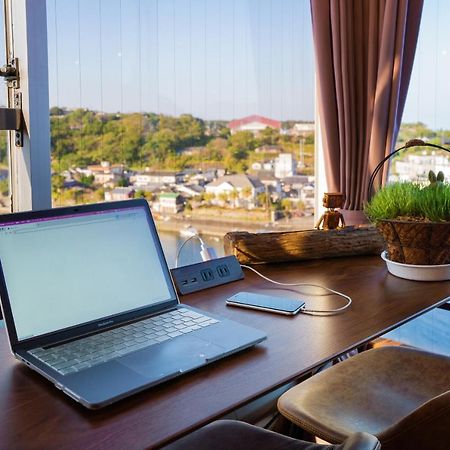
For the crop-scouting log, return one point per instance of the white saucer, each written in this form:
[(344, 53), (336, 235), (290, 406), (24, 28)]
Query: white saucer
[(416, 272)]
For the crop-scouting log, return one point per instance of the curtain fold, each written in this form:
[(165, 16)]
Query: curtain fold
[(364, 56)]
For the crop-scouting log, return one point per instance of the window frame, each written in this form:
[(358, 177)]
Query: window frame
[(29, 165)]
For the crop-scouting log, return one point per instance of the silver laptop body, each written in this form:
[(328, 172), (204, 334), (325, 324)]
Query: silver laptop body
[(89, 303)]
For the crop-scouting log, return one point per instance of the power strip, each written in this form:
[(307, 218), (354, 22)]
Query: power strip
[(206, 274)]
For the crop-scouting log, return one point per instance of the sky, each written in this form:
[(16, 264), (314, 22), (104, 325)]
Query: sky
[(428, 98), (215, 59)]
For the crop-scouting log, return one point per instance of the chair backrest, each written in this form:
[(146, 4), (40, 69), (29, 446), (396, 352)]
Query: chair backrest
[(428, 427)]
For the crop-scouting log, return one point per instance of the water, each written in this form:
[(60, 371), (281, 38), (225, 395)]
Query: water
[(190, 254)]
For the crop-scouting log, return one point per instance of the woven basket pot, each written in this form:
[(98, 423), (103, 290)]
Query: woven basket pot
[(420, 243)]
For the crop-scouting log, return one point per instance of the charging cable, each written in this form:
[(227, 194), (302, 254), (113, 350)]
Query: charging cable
[(207, 253), (312, 312)]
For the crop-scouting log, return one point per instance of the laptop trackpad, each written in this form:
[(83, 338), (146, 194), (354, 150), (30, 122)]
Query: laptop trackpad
[(176, 355)]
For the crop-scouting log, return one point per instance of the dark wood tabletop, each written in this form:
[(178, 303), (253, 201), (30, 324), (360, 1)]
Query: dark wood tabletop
[(34, 414)]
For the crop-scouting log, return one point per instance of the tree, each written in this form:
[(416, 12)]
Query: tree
[(234, 196), (241, 143), (223, 196), (56, 111), (262, 199), (4, 187), (268, 136), (123, 182), (215, 149), (87, 180), (286, 205), (57, 183)]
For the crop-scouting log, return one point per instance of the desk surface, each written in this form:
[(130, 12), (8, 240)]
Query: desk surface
[(33, 414)]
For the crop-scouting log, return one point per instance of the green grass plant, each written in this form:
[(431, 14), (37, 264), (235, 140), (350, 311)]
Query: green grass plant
[(411, 200)]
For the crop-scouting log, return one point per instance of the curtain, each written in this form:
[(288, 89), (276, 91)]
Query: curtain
[(364, 56)]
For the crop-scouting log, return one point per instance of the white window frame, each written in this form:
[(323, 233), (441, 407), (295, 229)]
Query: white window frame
[(30, 165)]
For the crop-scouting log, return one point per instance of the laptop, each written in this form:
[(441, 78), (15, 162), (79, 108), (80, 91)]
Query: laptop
[(89, 303)]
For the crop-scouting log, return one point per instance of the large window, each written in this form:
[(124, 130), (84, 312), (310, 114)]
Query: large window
[(427, 110), (204, 107)]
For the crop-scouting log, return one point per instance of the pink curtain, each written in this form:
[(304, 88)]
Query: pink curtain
[(364, 57)]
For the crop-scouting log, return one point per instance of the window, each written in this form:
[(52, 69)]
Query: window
[(427, 109), (204, 107)]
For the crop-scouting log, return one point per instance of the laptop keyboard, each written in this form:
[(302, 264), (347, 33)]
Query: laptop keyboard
[(99, 348)]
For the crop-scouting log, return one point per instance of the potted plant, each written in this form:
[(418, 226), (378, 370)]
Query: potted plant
[(414, 220)]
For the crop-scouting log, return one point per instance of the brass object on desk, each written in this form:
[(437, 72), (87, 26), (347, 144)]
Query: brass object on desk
[(332, 219)]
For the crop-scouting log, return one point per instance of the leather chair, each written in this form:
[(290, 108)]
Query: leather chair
[(234, 435), (400, 395)]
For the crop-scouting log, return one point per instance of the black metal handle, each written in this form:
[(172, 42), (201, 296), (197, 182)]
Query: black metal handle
[(411, 143)]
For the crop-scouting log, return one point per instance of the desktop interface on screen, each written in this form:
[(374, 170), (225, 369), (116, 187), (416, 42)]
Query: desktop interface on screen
[(65, 271)]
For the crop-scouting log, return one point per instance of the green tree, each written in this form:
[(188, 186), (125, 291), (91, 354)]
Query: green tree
[(57, 183), (87, 180), (4, 187), (123, 182), (268, 136)]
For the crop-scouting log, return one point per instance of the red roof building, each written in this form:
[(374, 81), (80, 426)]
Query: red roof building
[(253, 123)]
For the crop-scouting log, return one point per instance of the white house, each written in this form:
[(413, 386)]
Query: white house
[(303, 128), (156, 177), (243, 188), (169, 202), (285, 165)]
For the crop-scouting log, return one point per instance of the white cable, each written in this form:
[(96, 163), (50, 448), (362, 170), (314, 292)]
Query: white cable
[(184, 243), (312, 312), (207, 253)]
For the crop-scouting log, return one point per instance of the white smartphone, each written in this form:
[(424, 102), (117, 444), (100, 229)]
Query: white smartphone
[(269, 303)]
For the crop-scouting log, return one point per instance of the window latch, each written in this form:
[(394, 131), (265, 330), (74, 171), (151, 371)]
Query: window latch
[(12, 118), (10, 72)]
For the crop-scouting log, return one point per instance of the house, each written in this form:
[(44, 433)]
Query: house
[(189, 190), (303, 129), (254, 124), (169, 203), (268, 179), (119, 193), (239, 190), (416, 167), (105, 173), (156, 177), (285, 165), (297, 181)]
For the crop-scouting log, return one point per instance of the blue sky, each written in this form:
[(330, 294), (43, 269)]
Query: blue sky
[(216, 59), (429, 92)]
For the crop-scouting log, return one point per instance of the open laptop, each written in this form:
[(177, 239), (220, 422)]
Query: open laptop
[(89, 303)]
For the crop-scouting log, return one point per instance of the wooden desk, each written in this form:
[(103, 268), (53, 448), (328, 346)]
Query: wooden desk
[(33, 414)]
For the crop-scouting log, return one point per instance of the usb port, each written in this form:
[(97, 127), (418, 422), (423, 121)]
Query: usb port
[(193, 280), (185, 282)]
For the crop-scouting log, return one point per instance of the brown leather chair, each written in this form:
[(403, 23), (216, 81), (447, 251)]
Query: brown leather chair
[(234, 435), (400, 395)]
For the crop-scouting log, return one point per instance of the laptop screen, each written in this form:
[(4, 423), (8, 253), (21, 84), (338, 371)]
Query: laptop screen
[(64, 271)]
